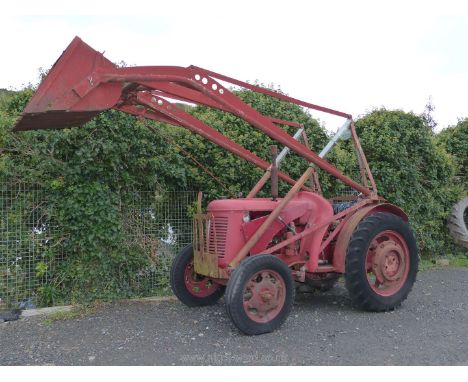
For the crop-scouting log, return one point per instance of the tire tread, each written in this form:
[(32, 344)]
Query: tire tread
[(356, 279), (178, 285), (235, 290)]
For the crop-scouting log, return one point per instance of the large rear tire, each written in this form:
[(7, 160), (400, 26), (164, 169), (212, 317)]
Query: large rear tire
[(381, 262), (458, 223), (260, 294), (191, 288)]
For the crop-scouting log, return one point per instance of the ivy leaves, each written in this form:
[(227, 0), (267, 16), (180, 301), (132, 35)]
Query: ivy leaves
[(88, 173), (411, 171)]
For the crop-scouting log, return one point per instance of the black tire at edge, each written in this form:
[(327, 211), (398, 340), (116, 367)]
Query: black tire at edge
[(355, 273), (456, 223)]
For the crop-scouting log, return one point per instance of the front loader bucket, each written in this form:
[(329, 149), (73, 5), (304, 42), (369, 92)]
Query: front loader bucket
[(58, 102)]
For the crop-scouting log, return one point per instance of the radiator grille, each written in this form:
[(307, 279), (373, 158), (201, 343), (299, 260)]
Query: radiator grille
[(217, 234), (210, 234)]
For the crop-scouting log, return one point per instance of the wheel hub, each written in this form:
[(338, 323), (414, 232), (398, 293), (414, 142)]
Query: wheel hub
[(389, 262), (264, 296), (197, 285)]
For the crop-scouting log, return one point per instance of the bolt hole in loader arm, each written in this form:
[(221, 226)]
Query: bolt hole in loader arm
[(257, 247)]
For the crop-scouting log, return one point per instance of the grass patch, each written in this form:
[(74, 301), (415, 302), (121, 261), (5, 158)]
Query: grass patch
[(79, 311), (459, 261)]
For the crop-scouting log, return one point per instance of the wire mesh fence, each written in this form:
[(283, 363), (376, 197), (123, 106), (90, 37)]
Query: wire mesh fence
[(30, 250), (159, 223), (25, 240)]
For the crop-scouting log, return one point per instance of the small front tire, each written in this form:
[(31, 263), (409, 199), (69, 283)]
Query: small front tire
[(191, 288), (260, 294)]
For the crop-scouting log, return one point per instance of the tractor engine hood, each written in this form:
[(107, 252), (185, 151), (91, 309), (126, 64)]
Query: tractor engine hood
[(258, 204)]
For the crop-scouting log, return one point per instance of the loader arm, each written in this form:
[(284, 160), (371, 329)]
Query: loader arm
[(83, 83)]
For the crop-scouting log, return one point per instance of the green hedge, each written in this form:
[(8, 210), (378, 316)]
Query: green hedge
[(454, 140), (413, 172), (88, 172)]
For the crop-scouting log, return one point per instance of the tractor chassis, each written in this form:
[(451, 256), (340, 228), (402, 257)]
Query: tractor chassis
[(369, 241)]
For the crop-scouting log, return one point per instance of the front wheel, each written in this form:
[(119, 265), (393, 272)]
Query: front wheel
[(381, 262), (191, 288), (260, 294)]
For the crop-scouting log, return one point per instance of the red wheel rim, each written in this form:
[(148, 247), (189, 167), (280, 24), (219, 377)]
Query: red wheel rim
[(198, 285), (387, 263), (264, 296)]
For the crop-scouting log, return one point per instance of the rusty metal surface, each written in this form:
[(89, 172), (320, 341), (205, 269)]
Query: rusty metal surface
[(274, 172), (274, 94), (271, 218), (206, 247), (314, 235), (363, 164), (53, 120), (184, 119), (83, 80), (300, 208), (259, 185), (83, 83), (57, 104), (344, 237)]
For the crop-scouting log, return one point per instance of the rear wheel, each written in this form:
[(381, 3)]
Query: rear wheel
[(458, 223), (260, 294), (381, 262), (191, 288)]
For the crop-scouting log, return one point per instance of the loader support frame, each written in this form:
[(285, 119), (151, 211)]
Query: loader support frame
[(83, 82)]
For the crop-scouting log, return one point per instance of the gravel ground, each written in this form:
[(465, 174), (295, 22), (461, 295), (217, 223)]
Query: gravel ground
[(431, 328)]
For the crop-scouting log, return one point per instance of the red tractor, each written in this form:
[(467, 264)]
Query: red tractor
[(252, 250)]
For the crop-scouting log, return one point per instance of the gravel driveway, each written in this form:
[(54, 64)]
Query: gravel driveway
[(431, 328)]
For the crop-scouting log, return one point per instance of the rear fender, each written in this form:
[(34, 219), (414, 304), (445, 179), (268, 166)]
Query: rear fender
[(341, 246)]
